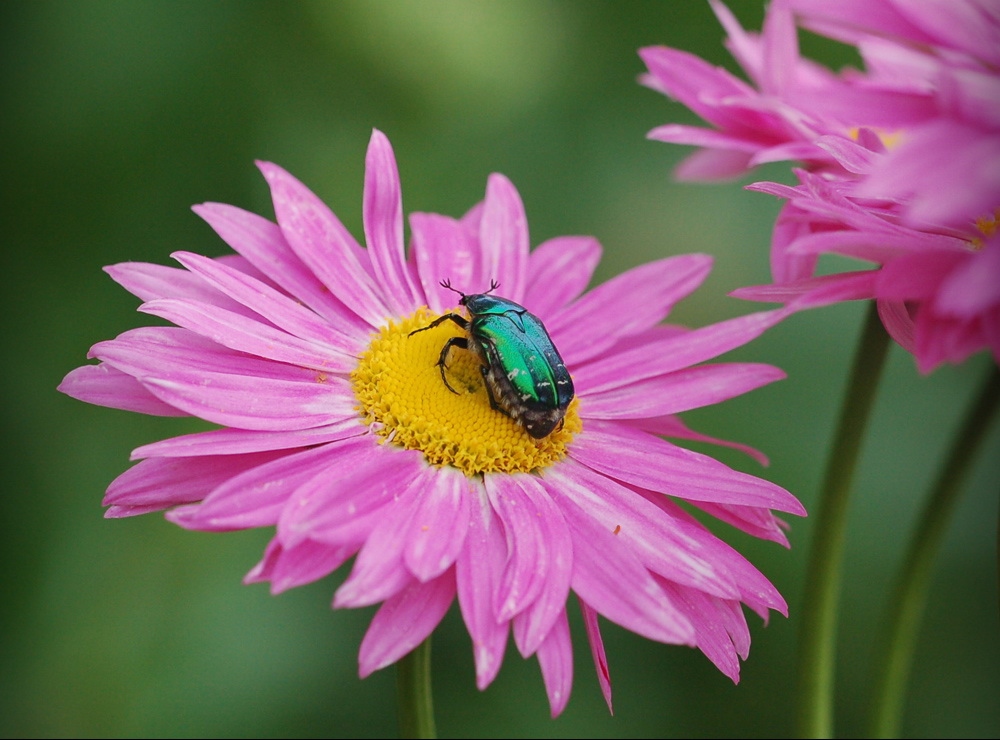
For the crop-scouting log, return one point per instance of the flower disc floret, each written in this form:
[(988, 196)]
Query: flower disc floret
[(405, 400)]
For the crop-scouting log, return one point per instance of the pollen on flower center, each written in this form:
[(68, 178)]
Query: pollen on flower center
[(404, 399)]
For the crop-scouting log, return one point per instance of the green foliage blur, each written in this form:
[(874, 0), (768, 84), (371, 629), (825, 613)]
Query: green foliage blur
[(118, 116)]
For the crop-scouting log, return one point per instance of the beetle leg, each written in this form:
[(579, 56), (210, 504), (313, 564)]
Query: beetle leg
[(457, 318), (461, 343)]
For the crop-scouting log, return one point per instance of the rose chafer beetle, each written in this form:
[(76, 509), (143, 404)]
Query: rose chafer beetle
[(524, 375)]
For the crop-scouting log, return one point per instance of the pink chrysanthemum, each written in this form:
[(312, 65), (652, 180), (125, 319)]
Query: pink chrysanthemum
[(938, 291), (335, 428), (772, 118), (932, 85)]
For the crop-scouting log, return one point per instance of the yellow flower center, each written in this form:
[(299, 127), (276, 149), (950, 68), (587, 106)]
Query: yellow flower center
[(403, 398), (987, 226)]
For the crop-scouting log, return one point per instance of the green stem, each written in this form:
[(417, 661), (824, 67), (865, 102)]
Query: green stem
[(818, 627), (910, 595), (413, 685)]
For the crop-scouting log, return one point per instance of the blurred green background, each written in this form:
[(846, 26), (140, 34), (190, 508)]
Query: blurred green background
[(118, 116)]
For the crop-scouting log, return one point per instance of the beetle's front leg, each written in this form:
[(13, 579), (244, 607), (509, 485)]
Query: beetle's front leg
[(461, 343), (457, 318)]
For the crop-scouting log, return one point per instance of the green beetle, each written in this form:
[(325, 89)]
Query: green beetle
[(525, 376)]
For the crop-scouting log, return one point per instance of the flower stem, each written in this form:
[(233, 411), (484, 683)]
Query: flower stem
[(413, 685), (817, 637), (909, 597)]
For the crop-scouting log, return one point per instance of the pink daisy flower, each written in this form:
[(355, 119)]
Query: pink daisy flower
[(337, 427), (938, 291), (932, 86), (773, 118)]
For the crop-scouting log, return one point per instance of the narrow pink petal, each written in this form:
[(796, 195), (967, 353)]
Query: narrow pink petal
[(814, 292), (283, 312), (478, 571), (753, 588), (346, 502), (593, 628), (256, 496), (383, 220), (915, 277), (164, 482), (973, 286), (555, 658), (559, 270), (536, 579), (234, 441), (306, 562), (646, 461), (261, 242), (610, 577), (254, 403), (627, 304), (663, 544), (248, 335), (149, 282), (712, 618), (754, 520), (503, 237), (320, 240), (898, 323), (672, 352), (443, 249), (672, 426), (261, 572), (677, 133), (103, 385), (692, 388), (404, 621), (440, 522), (713, 165)]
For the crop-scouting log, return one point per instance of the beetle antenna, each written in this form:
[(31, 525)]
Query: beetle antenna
[(447, 284), (493, 286)]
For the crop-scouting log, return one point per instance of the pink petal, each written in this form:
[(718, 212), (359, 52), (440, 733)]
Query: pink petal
[(443, 249), (627, 304), (325, 246), (590, 623), (973, 286), (249, 335), (672, 353), (694, 387), (478, 572), (640, 459), (149, 282), (503, 237), (439, 525), (103, 385), (555, 658), (559, 270), (233, 441), (404, 621), (662, 543), (345, 502), (536, 579), (255, 496), (306, 562), (672, 426), (261, 242), (283, 312), (611, 578), (383, 219), (162, 483), (898, 323), (713, 165)]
